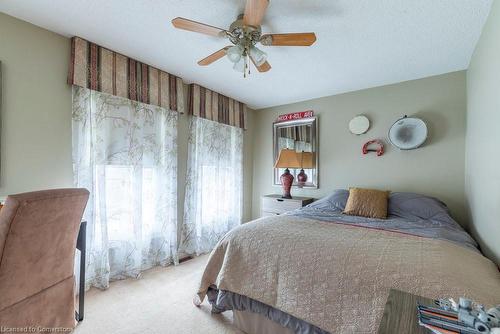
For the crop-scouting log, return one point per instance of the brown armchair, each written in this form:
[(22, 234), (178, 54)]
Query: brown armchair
[(38, 233)]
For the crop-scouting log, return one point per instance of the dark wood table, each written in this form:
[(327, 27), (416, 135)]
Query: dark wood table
[(400, 314), (81, 246)]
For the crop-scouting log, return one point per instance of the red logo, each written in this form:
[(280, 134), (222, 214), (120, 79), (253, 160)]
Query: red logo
[(295, 116)]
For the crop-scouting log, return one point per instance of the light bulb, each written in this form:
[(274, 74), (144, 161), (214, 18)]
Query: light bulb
[(234, 53), (258, 56)]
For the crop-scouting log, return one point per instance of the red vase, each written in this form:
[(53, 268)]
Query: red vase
[(286, 181)]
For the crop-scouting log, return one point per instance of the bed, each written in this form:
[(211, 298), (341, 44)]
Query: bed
[(317, 271)]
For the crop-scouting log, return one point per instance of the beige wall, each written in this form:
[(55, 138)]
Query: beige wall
[(36, 108), (436, 169), (36, 115), (482, 172)]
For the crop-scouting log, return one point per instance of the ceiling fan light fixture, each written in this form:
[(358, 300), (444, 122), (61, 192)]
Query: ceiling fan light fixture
[(258, 56), (239, 66), (234, 53), (244, 33)]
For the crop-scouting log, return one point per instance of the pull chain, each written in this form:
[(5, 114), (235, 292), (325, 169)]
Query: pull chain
[(246, 71)]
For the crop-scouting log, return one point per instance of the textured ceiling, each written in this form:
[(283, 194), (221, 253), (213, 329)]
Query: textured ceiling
[(360, 43)]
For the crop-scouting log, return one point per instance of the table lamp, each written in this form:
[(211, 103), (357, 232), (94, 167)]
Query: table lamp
[(287, 159)]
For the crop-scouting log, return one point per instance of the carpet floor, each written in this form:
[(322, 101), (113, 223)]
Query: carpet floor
[(159, 302)]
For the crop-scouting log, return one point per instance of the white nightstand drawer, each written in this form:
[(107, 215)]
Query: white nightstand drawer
[(279, 205), (275, 204)]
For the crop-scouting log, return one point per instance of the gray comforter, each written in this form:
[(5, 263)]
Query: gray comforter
[(408, 213)]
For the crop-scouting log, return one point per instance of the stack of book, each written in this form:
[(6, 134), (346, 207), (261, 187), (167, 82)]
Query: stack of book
[(447, 317)]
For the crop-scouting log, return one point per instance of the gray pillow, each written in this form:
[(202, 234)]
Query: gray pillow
[(416, 206), (334, 202), (404, 205)]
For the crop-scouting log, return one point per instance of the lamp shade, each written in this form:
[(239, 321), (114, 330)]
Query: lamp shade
[(239, 66), (258, 56), (287, 159), (307, 160), (234, 53)]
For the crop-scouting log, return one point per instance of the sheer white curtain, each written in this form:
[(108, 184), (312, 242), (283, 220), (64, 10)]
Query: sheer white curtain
[(125, 153), (214, 184)]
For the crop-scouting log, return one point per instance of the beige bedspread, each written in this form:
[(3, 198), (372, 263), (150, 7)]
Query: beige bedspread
[(338, 277)]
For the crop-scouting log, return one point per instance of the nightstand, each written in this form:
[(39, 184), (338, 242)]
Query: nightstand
[(273, 205), (400, 314)]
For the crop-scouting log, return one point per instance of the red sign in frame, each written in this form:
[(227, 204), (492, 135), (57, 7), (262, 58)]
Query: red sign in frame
[(295, 116)]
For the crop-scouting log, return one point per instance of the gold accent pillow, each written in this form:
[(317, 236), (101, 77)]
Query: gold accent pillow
[(369, 203)]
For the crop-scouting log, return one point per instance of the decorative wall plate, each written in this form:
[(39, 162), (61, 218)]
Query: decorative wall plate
[(359, 125), (379, 150), (408, 133)]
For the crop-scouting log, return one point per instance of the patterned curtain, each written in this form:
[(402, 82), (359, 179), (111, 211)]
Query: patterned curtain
[(125, 153), (214, 186)]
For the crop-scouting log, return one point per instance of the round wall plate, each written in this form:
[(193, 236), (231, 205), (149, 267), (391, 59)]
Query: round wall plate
[(359, 125), (408, 133)]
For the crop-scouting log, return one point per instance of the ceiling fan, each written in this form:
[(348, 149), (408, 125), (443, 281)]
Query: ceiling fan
[(244, 34)]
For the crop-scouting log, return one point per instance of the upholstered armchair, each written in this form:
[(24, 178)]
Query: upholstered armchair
[(38, 234)]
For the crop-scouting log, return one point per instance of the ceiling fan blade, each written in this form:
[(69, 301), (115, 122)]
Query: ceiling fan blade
[(213, 57), (293, 39), (262, 68), (186, 24), (254, 12)]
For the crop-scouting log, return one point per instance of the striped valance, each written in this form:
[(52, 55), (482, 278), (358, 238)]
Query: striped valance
[(106, 71), (203, 102)]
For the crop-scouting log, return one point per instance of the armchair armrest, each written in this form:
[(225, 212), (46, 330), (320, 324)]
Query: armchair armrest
[(5, 219)]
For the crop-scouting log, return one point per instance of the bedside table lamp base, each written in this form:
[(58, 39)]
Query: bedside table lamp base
[(286, 181), (301, 178), (287, 159)]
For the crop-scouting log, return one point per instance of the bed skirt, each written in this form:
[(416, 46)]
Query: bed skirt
[(254, 323)]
